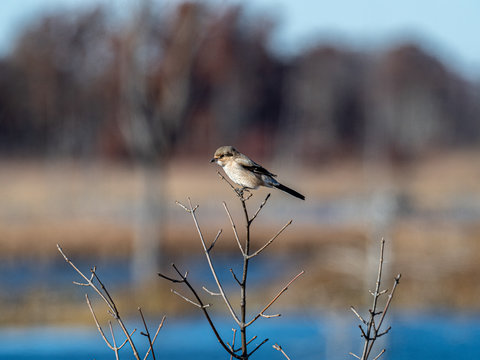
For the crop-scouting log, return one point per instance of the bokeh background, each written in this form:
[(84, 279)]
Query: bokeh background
[(111, 110)]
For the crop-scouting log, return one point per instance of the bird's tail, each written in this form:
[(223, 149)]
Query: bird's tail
[(290, 191)]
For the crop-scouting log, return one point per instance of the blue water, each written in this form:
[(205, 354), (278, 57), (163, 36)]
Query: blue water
[(441, 335)]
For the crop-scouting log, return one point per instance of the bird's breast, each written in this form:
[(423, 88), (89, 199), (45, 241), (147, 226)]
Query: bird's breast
[(241, 176)]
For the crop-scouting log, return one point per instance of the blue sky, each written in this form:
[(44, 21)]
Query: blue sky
[(449, 29)]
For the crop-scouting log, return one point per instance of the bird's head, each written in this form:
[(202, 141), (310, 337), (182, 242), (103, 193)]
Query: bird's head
[(223, 154)]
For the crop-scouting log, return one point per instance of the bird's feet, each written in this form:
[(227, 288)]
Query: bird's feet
[(243, 193)]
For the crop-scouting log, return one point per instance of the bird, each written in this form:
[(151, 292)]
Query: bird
[(247, 173)]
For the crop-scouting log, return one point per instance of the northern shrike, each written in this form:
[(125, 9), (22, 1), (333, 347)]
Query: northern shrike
[(246, 172)]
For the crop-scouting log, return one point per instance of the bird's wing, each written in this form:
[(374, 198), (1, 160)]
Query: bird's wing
[(253, 166)]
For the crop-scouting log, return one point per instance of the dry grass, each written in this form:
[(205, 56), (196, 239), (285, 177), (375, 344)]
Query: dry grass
[(90, 209)]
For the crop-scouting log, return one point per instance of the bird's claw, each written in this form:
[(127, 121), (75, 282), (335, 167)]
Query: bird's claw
[(241, 193)]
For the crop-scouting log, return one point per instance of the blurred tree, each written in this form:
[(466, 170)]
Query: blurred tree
[(324, 103), (187, 78), (56, 65), (417, 104), (154, 85)]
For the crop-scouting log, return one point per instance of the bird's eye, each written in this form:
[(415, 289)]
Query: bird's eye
[(221, 156)]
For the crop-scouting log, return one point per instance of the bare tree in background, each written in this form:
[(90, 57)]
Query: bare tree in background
[(154, 106), (235, 350)]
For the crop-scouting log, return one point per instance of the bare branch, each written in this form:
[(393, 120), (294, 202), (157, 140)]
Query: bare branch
[(235, 277), (214, 240), (113, 337), (243, 194), (363, 333), (259, 208), (170, 278), (189, 210), (279, 348), (257, 347), (270, 316), (233, 342), (378, 356), (105, 297), (105, 291), (253, 338), (155, 336), (188, 300), (285, 288), (211, 292), (372, 331), (98, 325), (115, 349), (358, 315), (390, 297), (235, 233), (212, 269), (270, 241), (204, 309), (88, 280), (383, 333), (350, 353), (228, 182), (147, 334)]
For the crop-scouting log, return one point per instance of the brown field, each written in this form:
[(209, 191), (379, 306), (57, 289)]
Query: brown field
[(429, 212)]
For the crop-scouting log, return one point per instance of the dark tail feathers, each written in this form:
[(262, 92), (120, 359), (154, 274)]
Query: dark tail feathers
[(290, 191)]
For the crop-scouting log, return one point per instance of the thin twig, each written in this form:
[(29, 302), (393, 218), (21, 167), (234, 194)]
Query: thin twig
[(155, 336), (88, 280), (378, 356), (372, 327), (368, 343), (358, 315), (147, 334), (285, 288), (390, 297), (214, 241), (211, 292), (105, 295), (270, 241), (233, 342), (253, 338), (235, 233), (228, 182), (188, 300), (210, 264), (257, 347), (113, 340), (183, 279), (235, 277), (279, 348), (259, 208), (98, 324)]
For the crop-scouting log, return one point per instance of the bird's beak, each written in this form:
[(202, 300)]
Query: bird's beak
[(213, 160)]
